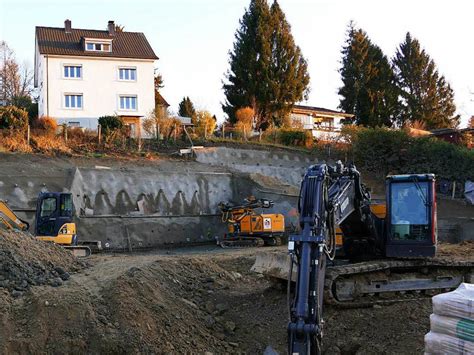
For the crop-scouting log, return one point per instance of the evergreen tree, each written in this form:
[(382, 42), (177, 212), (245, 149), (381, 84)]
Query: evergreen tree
[(289, 75), (369, 91), (247, 83), (267, 71), (186, 108), (424, 94)]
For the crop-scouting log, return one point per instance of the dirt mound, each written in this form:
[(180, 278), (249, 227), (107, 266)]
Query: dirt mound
[(273, 184), (189, 303), (167, 299), (463, 251), (26, 261)]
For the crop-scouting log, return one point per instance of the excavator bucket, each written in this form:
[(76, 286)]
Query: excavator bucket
[(273, 264), (79, 250)]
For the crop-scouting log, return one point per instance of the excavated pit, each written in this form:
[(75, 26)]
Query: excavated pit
[(189, 300)]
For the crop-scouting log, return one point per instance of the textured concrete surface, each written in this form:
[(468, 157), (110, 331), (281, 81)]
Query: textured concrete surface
[(137, 205), (285, 166), (148, 204)]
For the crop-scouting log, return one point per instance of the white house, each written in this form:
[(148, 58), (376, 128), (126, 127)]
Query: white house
[(324, 124), (84, 74)]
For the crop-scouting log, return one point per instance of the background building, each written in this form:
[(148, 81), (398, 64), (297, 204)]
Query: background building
[(323, 123), (84, 74)]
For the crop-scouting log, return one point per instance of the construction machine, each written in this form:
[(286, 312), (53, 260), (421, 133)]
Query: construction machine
[(249, 228), (53, 222), (388, 251)]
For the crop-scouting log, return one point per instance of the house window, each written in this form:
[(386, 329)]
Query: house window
[(129, 74), (73, 100), (128, 103), (98, 47), (72, 71)]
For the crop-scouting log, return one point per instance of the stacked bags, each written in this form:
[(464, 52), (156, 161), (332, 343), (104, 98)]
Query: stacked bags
[(452, 322)]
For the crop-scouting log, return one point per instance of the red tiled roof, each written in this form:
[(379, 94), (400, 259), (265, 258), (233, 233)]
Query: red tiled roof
[(53, 40)]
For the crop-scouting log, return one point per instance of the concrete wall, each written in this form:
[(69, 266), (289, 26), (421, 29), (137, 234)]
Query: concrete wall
[(170, 202), (285, 166), (138, 206)]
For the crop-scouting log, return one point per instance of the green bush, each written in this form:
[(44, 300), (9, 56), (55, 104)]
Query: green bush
[(12, 117), (290, 137), (110, 124), (395, 152)]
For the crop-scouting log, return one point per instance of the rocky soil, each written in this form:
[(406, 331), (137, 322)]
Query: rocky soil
[(187, 301), (26, 262)]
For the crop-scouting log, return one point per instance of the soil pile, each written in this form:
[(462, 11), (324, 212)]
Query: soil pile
[(26, 261), (190, 303), (463, 251)]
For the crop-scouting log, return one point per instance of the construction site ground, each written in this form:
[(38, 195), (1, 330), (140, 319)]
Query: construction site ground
[(192, 300)]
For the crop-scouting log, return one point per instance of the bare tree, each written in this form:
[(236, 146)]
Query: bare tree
[(17, 80)]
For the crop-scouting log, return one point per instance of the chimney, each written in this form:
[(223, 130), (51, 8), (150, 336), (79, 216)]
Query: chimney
[(67, 26), (111, 28)]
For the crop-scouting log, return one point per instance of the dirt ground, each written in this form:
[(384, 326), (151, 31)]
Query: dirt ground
[(193, 300)]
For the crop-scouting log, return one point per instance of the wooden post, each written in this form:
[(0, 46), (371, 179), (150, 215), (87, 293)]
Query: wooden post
[(99, 132), (65, 132), (260, 135), (231, 135), (223, 130), (139, 142), (454, 190), (28, 135)]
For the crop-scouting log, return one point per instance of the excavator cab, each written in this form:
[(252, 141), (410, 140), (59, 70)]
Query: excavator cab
[(411, 216), (54, 218)]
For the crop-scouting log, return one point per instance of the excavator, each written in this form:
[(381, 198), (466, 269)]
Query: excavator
[(53, 222), (388, 252), (248, 228)]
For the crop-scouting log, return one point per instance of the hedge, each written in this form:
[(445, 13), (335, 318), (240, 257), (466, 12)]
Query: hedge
[(394, 151), (12, 117)]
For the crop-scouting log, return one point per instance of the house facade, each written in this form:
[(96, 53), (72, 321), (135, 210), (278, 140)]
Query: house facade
[(82, 75), (324, 124)]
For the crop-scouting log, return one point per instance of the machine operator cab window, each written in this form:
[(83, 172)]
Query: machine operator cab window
[(410, 211), (66, 206), (48, 207), (54, 210)]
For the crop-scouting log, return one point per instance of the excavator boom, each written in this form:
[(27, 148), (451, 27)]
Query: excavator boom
[(9, 219)]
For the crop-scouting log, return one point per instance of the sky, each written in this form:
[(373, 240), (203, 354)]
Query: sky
[(193, 38)]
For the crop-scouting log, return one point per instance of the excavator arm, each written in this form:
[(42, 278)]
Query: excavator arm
[(328, 196), (9, 219)]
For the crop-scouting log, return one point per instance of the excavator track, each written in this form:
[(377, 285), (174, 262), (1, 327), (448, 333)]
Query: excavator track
[(388, 281), (241, 242)]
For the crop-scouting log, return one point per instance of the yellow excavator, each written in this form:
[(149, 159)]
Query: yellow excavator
[(248, 228), (53, 222)]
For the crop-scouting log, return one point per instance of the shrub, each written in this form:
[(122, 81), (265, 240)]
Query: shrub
[(46, 124), (294, 137), (12, 117), (149, 125), (394, 151), (245, 117), (110, 124), (14, 141)]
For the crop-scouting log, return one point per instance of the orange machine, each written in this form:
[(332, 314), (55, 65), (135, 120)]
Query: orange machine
[(248, 228)]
